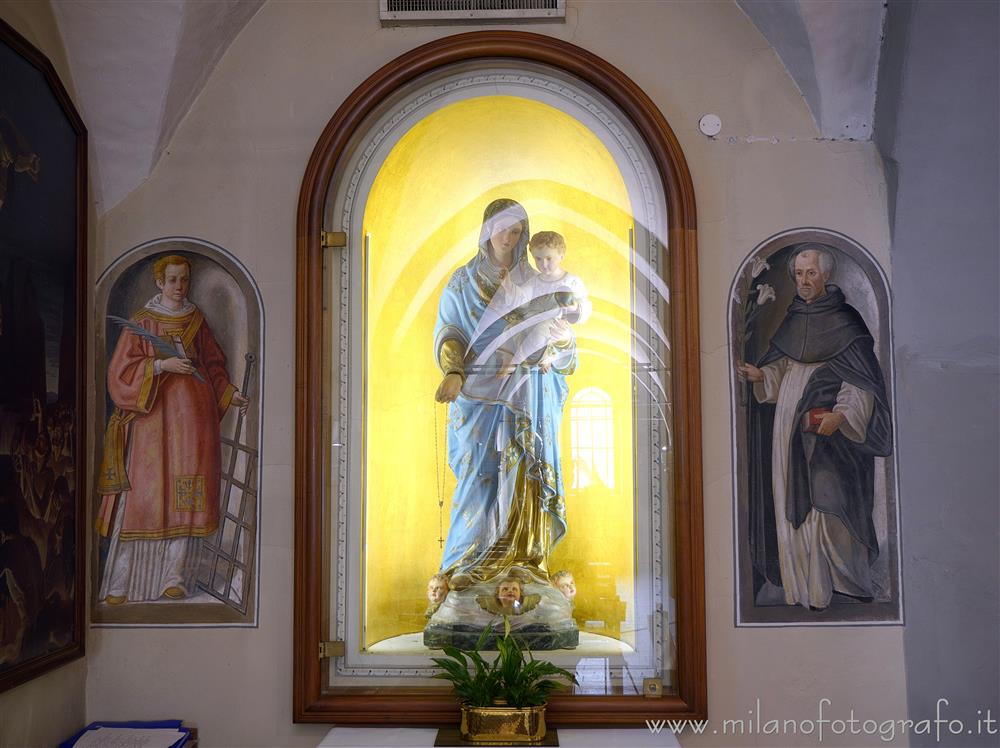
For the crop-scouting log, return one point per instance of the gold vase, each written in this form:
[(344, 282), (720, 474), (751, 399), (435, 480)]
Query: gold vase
[(501, 723)]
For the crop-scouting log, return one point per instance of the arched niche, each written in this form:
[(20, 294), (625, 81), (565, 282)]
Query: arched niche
[(761, 292), (331, 386), (225, 585)]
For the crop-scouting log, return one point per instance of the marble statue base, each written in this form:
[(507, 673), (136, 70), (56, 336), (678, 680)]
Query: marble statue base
[(542, 621)]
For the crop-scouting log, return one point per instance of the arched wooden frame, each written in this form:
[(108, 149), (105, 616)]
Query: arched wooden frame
[(311, 703)]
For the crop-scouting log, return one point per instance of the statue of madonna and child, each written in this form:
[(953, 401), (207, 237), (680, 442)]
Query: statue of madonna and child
[(504, 341)]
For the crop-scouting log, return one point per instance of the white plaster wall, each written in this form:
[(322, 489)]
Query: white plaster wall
[(232, 175), (938, 124), (50, 708)]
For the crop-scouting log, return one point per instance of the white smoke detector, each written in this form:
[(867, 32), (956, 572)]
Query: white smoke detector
[(710, 125)]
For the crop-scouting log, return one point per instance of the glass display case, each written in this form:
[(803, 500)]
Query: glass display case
[(498, 387)]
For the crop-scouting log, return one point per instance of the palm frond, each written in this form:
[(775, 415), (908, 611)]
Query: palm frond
[(159, 344)]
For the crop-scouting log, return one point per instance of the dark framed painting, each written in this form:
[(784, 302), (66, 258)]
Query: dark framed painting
[(498, 417), (43, 192)]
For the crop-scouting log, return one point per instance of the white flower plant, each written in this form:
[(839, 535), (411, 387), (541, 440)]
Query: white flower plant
[(757, 296)]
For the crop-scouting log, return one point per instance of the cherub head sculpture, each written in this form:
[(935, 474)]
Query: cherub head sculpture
[(509, 592), (437, 589), (564, 582)]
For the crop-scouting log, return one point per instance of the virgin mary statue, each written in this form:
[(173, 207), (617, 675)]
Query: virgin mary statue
[(508, 510)]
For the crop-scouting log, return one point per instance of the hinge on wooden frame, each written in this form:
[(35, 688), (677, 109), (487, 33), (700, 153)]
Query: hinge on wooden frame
[(332, 649), (329, 239), (652, 688)]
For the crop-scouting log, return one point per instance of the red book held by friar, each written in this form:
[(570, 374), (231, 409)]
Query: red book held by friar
[(813, 418)]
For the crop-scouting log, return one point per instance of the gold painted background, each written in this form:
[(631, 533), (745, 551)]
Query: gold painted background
[(423, 217)]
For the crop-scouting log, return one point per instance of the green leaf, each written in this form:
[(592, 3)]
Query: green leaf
[(477, 660), (483, 637), (455, 653)]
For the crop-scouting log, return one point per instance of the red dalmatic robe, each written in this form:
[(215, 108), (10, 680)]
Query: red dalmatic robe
[(167, 428)]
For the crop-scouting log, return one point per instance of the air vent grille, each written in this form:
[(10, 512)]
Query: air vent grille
[(424, 11)]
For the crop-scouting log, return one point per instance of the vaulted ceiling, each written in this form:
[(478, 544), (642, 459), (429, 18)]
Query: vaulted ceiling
[(139, 66), (831, 50)]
